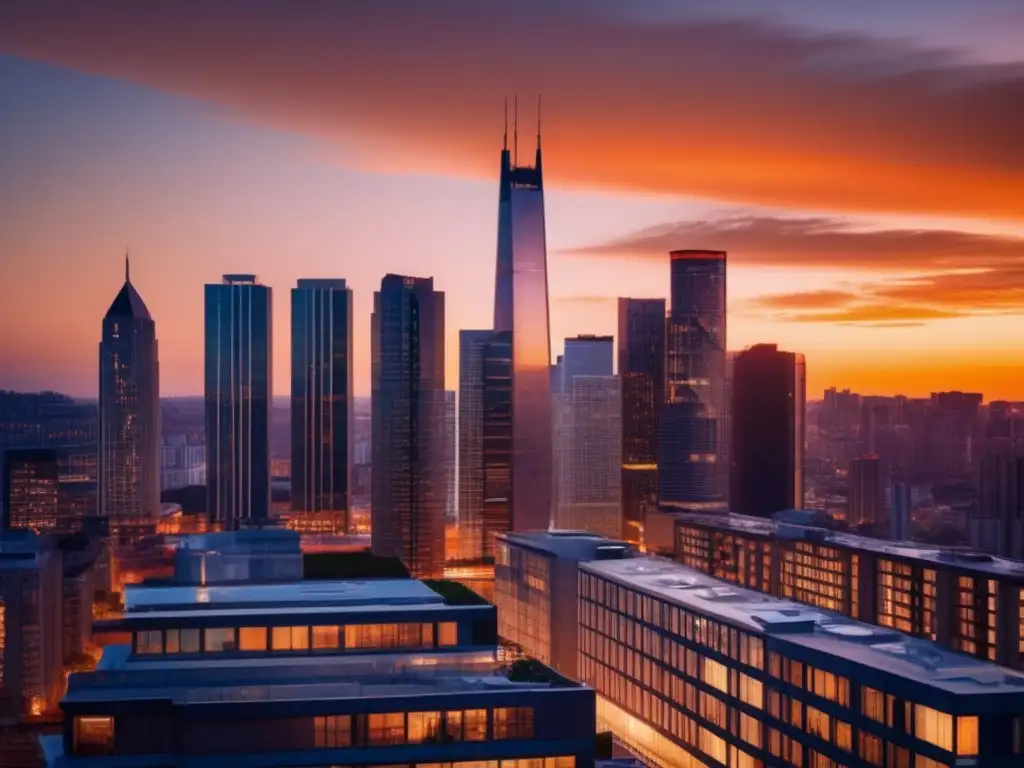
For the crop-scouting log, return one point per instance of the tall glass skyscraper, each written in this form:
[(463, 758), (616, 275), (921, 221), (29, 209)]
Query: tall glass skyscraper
[(408, 480), (129, 439), (641, 351), (322, 419), (767, 421), (691, 468), (521, 306), (238, 386)]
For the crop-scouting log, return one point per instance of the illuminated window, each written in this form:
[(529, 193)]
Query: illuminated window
[(424, 727), (475, 725), (872, 704), (149, 641), (386, 728), (715, 674), (818, 723), (843, 735), (750, 730), (513, 723), (172, 641), (453, 725), (934, 727), (447, 634), (219, 639), (333, 731), (290, 638), (870, 749), (751, 691), (967, 735), (94, 736), (252, 639), (325, 637)]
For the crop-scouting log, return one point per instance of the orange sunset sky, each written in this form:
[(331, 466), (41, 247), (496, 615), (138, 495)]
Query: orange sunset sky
[(862, 164)]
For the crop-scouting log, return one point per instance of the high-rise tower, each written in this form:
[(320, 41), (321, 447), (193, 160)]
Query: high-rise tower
[(408, 489), (322, 419), (691, 470), (521, 306), (238, 398), (129, 440)]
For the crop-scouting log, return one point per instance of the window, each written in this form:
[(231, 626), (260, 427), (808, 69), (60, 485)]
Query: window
[(967, 735), (386, 728), (817, 723), (190, 641), (424, 727), (447, 634), (325, 637), (870, 749), (149, 641), (750, 730), (934, 727), (173, 641), (290, 638), (219, 639), (872, 704), (252, 639), (751, 691), (453, 726), (513, 723), (844, 735), (475, 725), (94, 736), (715, 674), (333, 731), (795, 674)]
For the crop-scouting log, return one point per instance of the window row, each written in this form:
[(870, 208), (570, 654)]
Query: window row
[(299, 638)]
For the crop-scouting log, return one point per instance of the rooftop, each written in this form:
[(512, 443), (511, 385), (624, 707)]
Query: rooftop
[(978, 562), (831, 633), (574, 545), (128, 304), (304, 594)]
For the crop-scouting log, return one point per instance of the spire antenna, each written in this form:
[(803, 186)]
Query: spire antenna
[(504, 140), (515, 134), (127, 266), (538, 121)]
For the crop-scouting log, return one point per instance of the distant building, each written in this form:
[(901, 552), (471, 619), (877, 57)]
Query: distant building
[(901, 506), (768, 431), (641, 354), (451, 438), (254, 556), (31, 486), (238, 386), (691, 471), (867, 499), (129, 433), (408, 481), (322, 423), (997, 523), (585, 355)]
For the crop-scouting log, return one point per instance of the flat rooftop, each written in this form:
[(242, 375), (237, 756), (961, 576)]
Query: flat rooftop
[(297, 594), (831, 633), (574, 545), (978, 562)]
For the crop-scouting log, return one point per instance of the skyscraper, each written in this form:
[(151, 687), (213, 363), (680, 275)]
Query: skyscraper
[(867, 494), (451, 438), (238, 386), (408, 483), (521, 307), (768, 432), (641, 352), (996, 524), (129, 418), (691, 472), (31, 483), (585, 355), (322, 399)]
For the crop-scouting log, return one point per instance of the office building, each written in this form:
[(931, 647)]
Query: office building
[(641, 354), (31, 629), (867, 494), (535, 590), (31, 486), (585, 355), (691, 471), (408, 482), (901, 506), (521, 308), (768, 389), (451, 461), (691, 671), (129, 418), (590, 456), (379, 672), (996, 525), (239, 390), (965, 601), (322, 401)]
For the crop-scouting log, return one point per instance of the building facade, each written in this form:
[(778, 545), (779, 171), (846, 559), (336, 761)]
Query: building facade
[(766, 452), (31, 489), (129, 417), (238, 391), (322, 402), (692, 474), (584, 355), (521, 308), (997, 523), (408, 481), (641, 357), (867, 492)]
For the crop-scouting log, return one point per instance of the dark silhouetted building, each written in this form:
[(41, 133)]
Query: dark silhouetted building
[(691, 471), (997, 523), (322, 419), (129, 421), (641, 353), (408, 482), (31, 486), (768, 433), (867, 492), (238, 386), (521, 307)]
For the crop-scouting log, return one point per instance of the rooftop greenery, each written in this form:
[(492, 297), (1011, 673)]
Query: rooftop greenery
[(533, 671)]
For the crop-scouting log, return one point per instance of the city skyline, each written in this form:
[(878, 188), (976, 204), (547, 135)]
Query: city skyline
[(886, 287)]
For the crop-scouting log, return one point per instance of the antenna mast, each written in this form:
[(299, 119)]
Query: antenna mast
[(504, 140), (515, 135), (538, 121), (127, 266)]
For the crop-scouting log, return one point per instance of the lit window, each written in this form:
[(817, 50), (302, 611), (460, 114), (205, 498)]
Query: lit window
[(844, 735), (333, 731), (475, 725), (94, 736), (424, 727), (934, 727), (817, 723), (290, 638), (513, 723), (715, 674), (173, 641), (447, 634), (149, 641), (872, 704), (219, 639), (386, 728), (967, 735), (325, 637), (252, 639)]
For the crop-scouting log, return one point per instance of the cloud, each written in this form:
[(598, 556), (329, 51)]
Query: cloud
[(730, 110)]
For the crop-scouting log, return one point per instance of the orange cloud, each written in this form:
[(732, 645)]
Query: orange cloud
[(738, 111)]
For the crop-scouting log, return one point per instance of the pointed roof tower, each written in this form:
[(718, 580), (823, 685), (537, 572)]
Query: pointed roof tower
[(128, 303)]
